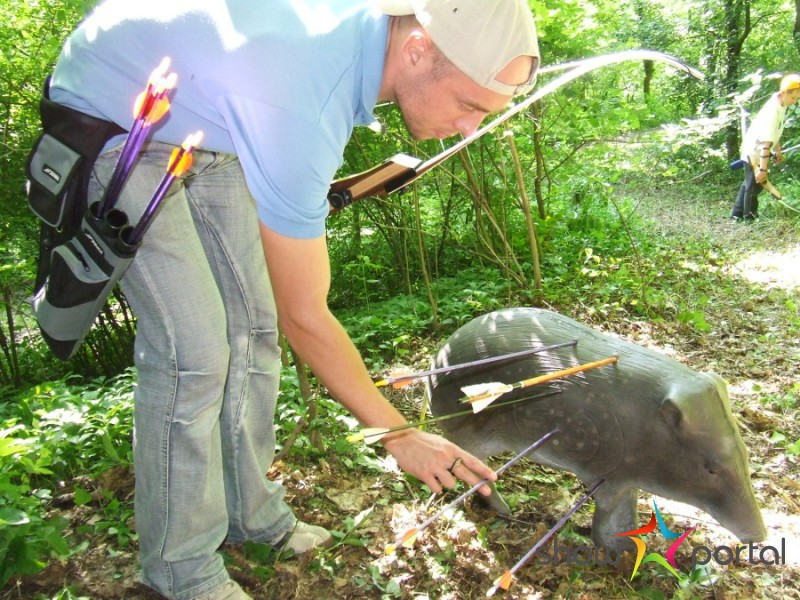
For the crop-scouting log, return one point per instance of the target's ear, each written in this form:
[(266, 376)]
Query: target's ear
[(671, 414)]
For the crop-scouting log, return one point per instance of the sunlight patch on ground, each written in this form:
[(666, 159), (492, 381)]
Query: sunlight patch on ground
[(773, 269)]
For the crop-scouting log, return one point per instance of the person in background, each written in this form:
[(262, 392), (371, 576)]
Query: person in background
[(761, 141), (239, 242)]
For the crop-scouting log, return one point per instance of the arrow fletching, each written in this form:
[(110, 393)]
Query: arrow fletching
[(150, 106), (159, 72), (479, 405), (401, 383), (156, 104), (181, 158), (495, 390), (140, 107), (157, 87), (370, 435), (397, 379), (356, 437), (482, 395), (503, 583), (505, 580), (480, 389), (406, 540), (160, 108)]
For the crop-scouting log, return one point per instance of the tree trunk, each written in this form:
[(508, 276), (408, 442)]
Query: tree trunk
[(796, 30), (649, 71), (737, 26), (526, 209)]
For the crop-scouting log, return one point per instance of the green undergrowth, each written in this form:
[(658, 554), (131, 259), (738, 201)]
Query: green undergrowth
[(49, 435)]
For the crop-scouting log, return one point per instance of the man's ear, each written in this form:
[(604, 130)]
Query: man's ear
[(417, 47)]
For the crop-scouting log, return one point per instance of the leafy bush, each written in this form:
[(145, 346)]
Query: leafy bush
[(48, 435)]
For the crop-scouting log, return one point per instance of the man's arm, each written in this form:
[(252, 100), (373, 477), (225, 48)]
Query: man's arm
[(762, 170), (299, 270)]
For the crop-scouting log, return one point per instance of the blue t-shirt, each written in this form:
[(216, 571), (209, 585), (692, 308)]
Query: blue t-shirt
[(281, 84)]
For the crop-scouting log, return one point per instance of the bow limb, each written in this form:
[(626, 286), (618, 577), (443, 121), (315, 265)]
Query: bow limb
[(395, 174), (625, 55)]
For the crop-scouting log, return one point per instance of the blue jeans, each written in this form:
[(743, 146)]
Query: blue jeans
[(208, 370)]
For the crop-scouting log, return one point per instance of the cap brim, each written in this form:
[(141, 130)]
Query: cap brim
[(395, 8)]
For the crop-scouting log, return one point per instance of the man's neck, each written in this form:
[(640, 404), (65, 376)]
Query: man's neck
[(386, 92)]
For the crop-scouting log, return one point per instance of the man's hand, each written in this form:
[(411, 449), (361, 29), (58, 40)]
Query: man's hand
[(761, 175), (777, 153), (435, 461)]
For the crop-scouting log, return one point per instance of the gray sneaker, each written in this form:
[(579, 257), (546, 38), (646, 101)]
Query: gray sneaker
[(304, 537), (229, 591)]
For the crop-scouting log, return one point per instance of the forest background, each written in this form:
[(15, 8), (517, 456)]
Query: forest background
[(606, 201)]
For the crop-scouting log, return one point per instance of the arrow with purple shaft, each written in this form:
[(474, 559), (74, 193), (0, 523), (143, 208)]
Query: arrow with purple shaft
[(399, 379), (505, 580), (179, 162), (150, 106)]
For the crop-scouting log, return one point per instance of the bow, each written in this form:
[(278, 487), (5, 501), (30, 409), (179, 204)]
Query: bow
[(401, 169)]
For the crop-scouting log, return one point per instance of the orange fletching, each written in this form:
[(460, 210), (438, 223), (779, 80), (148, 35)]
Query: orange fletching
[(402, 383), (505, 581), (138, 106), (179, 164), (160, 108), (409, 537)]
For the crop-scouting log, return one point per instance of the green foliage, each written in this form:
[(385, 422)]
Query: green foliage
[(48, 435), (787, 403), (390, 330), (351, 526), (113, 517)]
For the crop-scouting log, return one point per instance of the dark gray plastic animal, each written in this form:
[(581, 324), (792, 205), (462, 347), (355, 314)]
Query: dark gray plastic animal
[(646, 422)]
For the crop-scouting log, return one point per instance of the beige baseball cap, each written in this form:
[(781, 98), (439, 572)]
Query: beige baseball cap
[(480, 37), (790, 82)]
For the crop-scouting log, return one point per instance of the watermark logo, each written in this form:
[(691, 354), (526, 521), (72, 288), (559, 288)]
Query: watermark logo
[(701, 555), (668, 560)]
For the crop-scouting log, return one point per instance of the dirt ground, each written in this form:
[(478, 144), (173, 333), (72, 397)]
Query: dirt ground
[(462, 555)]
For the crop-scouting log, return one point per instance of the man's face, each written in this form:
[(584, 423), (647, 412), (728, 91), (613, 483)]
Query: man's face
[(439, 103), (791, 96)]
